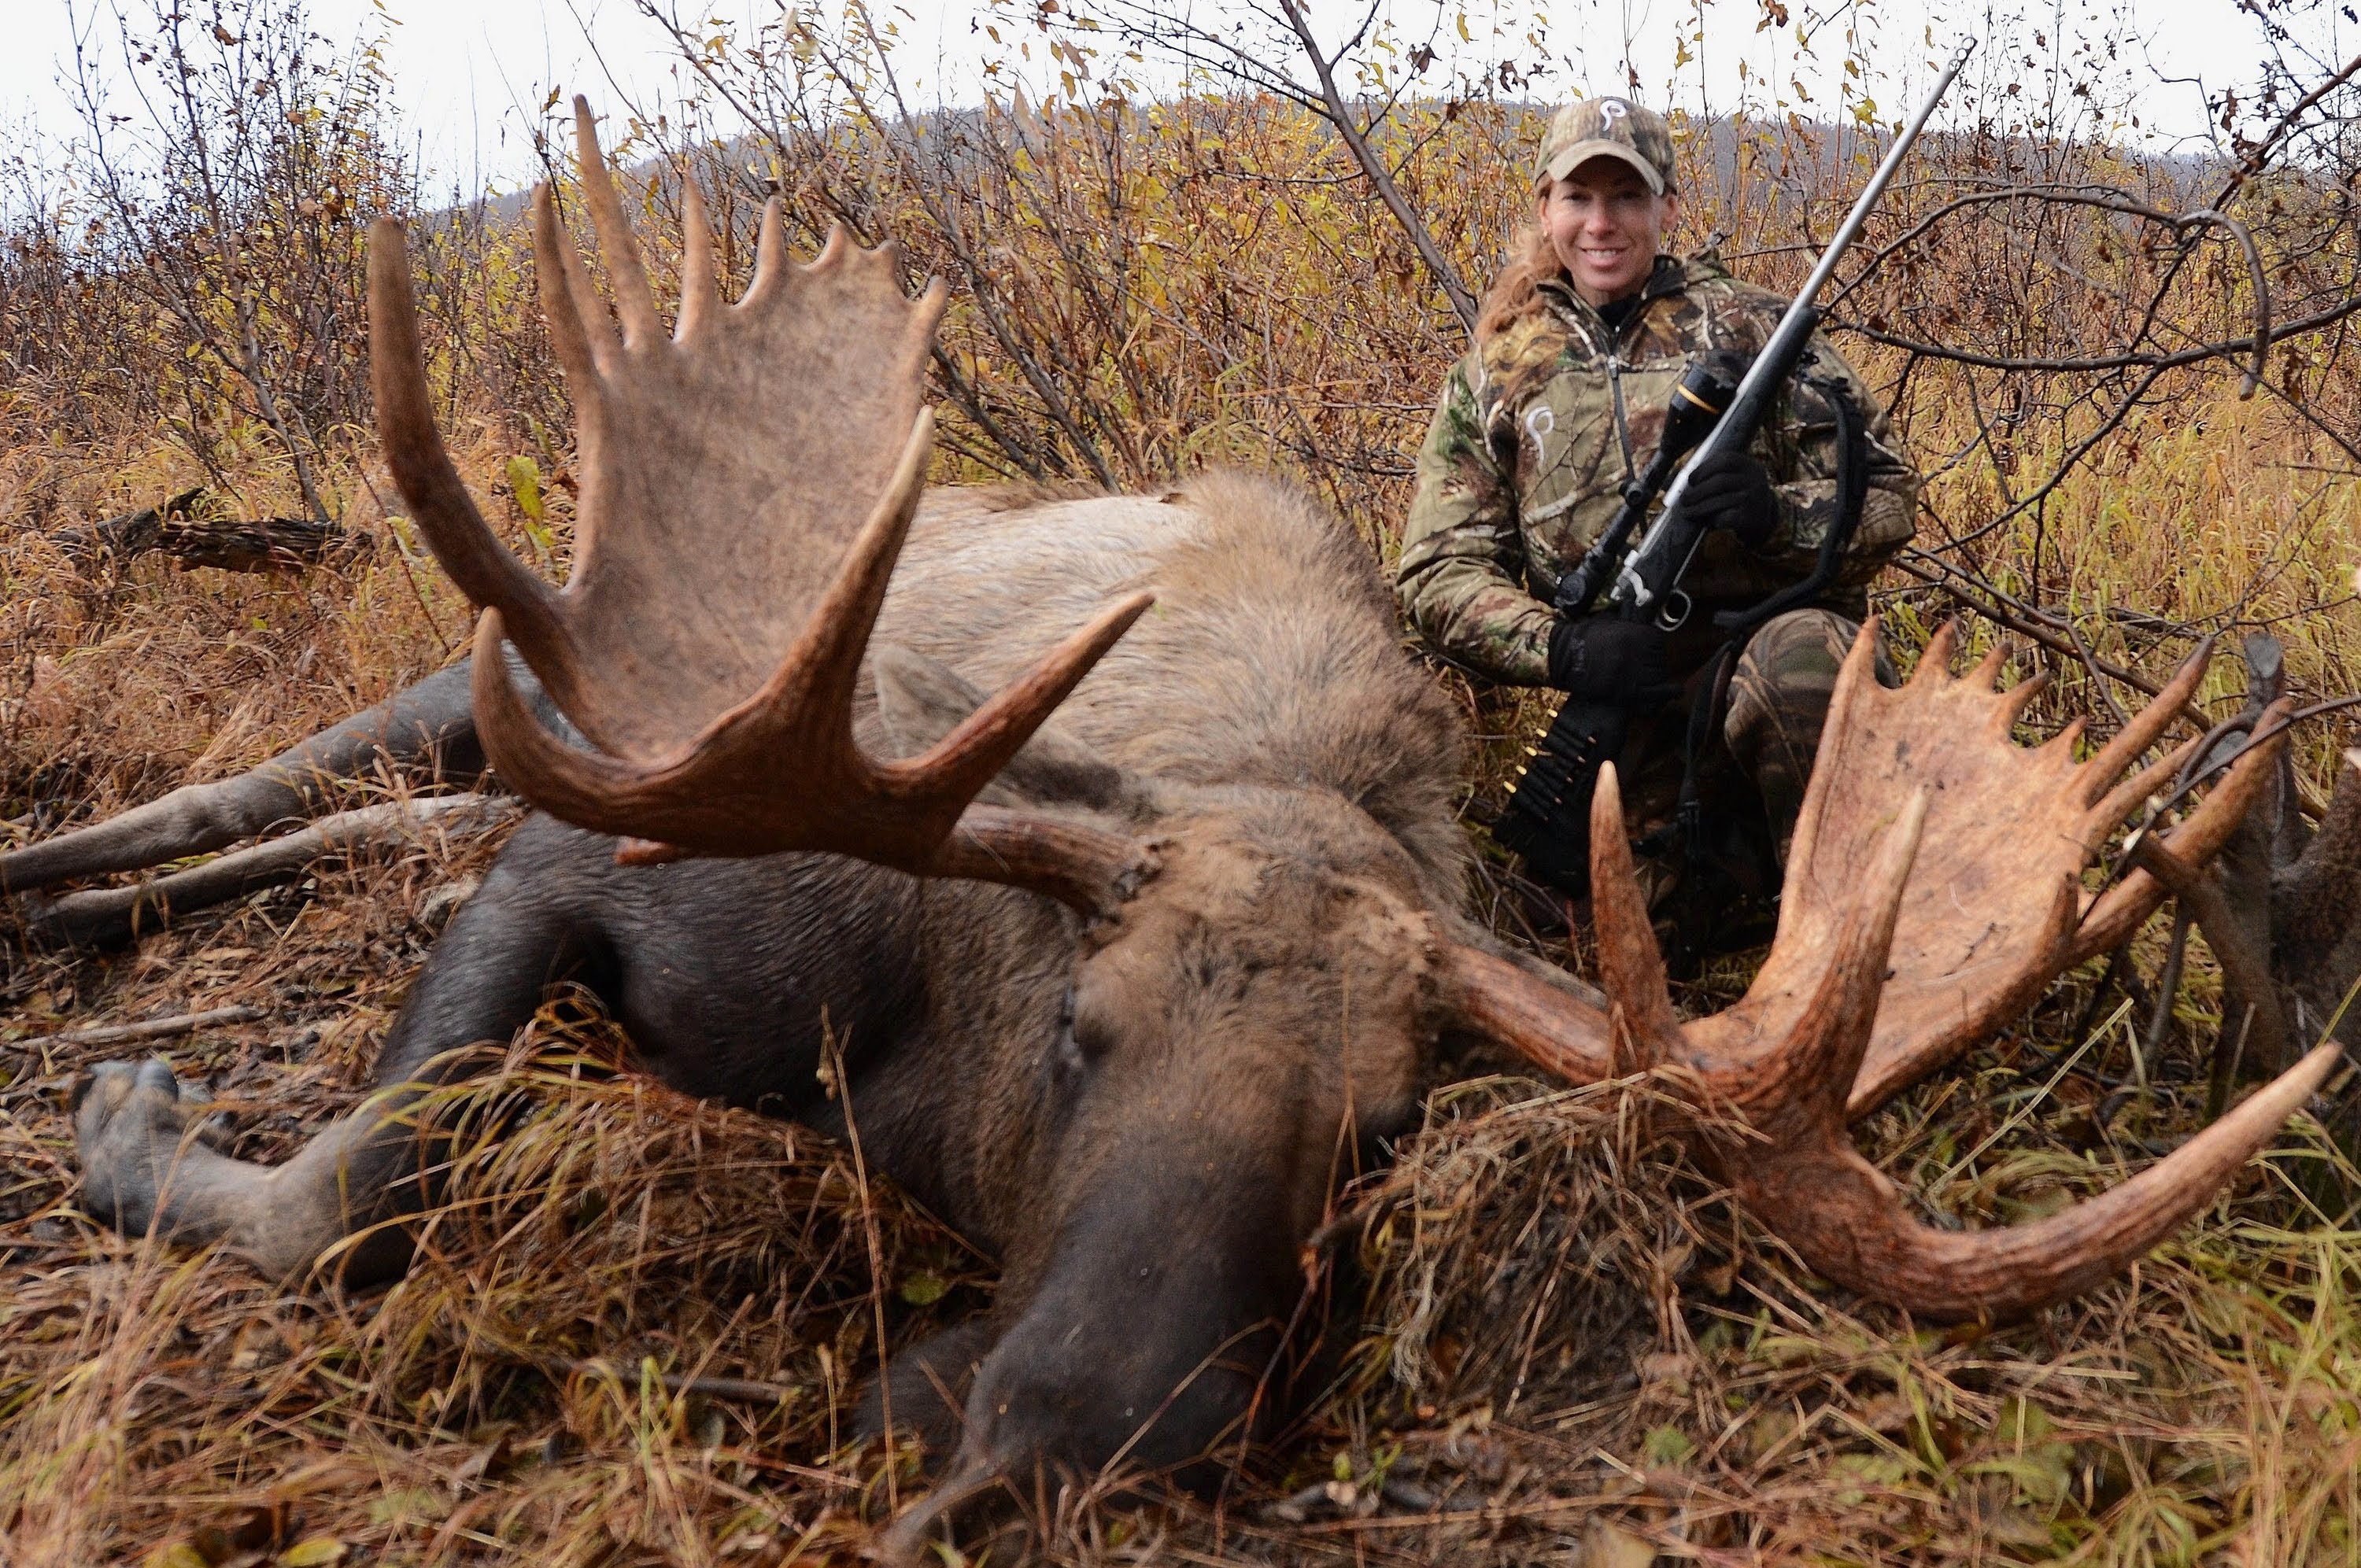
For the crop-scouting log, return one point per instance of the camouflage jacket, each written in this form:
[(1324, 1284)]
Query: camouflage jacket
[(1538, 430)]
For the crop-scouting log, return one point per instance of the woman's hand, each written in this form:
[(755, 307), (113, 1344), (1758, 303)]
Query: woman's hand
[(1730, 490), (1605, 658)]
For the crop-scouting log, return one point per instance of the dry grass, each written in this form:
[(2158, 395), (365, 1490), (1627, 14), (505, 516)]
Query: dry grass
[(1569, 1341), (2197, 1408)]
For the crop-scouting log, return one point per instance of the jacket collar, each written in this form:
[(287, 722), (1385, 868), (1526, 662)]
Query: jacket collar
[(1670, 276)]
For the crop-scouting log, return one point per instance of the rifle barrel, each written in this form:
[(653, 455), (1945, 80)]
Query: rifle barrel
[(1777, 359)]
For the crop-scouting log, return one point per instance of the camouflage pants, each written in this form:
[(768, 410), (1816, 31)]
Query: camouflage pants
[(1752, 774)]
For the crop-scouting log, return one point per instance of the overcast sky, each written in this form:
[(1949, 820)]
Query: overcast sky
[(468, 73)]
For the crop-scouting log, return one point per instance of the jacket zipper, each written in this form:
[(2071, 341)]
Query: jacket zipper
[(1622, 430)]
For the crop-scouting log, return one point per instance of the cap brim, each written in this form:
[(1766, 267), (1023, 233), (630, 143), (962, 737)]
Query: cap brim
[(1582, 152)]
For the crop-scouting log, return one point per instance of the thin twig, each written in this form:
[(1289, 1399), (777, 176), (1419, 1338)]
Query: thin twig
[(145, 1029), (1342, 118), (2261, 735), (2252, 163), (2168, 984), (1916, 562), (2248, 970)]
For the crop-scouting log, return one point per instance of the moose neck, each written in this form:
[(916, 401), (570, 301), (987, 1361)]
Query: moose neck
[(1273, 656)]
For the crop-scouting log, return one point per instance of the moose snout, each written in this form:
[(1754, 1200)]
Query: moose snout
[(1099, 1396), (1144, 1349), (1087, 1396)]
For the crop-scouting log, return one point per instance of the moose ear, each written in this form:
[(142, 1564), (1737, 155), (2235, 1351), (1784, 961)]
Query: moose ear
[(921, 700)]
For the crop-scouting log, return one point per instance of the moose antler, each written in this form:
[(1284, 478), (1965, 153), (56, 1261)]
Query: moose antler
[(1995, 911), (1783, 1057), (1932, 892), (747, 484)]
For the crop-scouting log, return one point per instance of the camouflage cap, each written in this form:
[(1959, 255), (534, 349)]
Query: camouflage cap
[(1607, 127)]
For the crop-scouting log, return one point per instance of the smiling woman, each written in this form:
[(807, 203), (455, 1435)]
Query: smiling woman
[(1561, 404), (1604, 207)]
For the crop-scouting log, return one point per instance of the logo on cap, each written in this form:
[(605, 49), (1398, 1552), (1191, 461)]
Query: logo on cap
[(1609, 128)]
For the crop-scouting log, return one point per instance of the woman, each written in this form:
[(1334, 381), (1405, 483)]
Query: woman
[(1556, 406)]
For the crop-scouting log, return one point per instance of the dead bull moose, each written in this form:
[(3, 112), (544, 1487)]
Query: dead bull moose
[(1128, 958)]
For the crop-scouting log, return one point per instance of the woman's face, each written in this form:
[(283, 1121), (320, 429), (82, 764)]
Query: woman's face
[(1607, 227)]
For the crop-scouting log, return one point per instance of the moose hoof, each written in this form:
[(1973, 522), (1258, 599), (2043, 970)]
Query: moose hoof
[(130, 1124)]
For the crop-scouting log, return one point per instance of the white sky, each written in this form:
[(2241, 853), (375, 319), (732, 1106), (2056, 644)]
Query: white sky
[(469, 74)]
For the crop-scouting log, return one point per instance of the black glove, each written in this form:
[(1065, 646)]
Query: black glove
[(1603, 658), (1730, 490)]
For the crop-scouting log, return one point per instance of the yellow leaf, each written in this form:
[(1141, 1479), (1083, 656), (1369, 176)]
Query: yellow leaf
[(316, 1553), (180, 1554), (1666, 1446), (406, 1507), (524, 479), (1609, 1546)]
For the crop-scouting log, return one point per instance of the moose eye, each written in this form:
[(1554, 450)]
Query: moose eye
[(1069, 1057), (1082, 1038)]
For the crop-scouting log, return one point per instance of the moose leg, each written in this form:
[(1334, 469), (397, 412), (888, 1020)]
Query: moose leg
[(110, 916), (2316, 915), (925, 1389), (143, 1170), (428, 727)]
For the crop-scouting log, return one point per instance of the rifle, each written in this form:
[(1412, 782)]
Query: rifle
[(1546, 819)]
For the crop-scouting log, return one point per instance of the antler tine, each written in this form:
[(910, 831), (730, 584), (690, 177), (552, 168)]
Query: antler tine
[(813, 684), (2013, 703), (1848, 1224), (635, 302), (1489, 996), (1935, 663), (964, 761), (589, 789), (1080, 866), (1631, 965), (2140, 732), (698, 292), (2121, 801), (1855, 677), (770, 255), (430, 484), (1801, 1080), (583, 341)]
